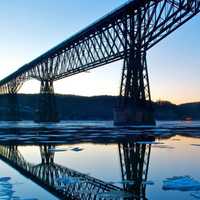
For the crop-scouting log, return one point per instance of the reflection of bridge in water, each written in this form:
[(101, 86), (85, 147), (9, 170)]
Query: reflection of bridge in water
[(125, 34), (66, 183), (134, 161)]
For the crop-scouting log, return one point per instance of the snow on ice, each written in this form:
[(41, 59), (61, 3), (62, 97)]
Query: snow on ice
[(182, 183)]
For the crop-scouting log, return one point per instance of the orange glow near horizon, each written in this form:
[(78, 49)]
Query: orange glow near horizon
[(87, 89)]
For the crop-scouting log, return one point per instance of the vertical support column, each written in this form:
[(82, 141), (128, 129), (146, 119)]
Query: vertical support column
[(47, 164), (134, 106), (134, 161), (11, 97), (47, 110), (13, 113), (47, 156)]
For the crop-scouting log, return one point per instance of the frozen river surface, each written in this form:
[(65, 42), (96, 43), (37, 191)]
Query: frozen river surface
[(151, 163)]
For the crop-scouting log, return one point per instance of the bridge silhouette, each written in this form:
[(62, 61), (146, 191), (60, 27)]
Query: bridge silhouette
[(66, 183), (126, 33)]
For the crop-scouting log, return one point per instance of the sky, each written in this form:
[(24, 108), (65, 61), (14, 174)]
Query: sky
[(30, 28)]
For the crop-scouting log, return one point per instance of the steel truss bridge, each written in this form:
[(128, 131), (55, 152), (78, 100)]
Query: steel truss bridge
[(126, 33), (134, 161)]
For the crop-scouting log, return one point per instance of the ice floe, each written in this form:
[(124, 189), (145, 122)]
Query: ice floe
[(56, 150), (128, 182), (114, 195), (182, 183), (149, 142), (197, 145), (163, 146), (4, 179), (131, 182), (69, 180), (7, 192), (76, 149), (148, 183), (196, 194)]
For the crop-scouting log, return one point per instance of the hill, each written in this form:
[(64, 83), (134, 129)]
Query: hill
[(72, 107)]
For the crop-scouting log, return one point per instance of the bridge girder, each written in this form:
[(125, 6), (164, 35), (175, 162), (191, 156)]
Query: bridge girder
[(106, 41)]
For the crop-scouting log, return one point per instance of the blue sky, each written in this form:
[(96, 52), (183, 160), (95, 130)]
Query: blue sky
[(29, 28)]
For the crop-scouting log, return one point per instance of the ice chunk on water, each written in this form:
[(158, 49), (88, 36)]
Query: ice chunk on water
[(76, 149), (30, 199), (197, 145), (128, 182), (149, 142), (4, 179), (182, 183), (7, 192), (163, 146), (56, 149), (196, 194), (69, 180), (115, 194), (148, 183)]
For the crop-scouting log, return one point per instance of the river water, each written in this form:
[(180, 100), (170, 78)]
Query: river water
[(138, 161)]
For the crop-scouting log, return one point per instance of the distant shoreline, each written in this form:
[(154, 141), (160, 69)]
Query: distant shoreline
[(71, 107)]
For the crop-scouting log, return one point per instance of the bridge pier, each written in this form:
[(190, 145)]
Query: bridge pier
[(47, 111), (47, 155), (134, 161), (134, 106), (13, 113)]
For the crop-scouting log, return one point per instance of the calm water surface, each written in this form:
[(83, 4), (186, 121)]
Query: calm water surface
[(124, 158)]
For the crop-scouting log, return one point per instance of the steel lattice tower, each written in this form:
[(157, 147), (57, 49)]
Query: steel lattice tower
[(134, 106), (134, 161)]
